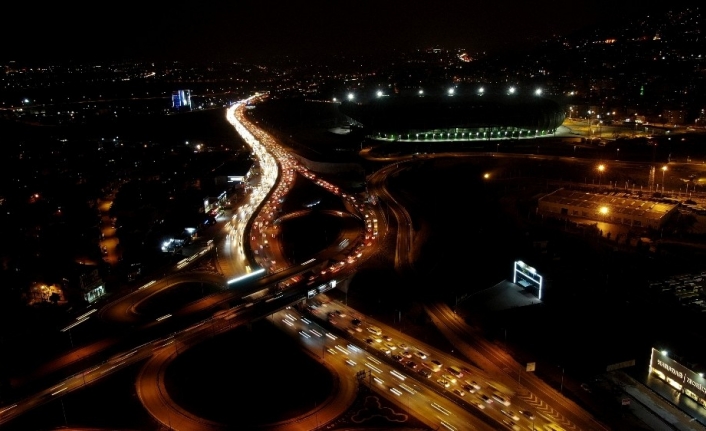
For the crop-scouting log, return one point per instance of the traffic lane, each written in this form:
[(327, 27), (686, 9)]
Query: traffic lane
[(561, 410), (124, 310), (344, 317), (400, 386)]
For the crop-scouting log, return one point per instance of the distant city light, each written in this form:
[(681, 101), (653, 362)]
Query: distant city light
[(511, 90), (421, 92), (481, 90), (451, 91), (538, 92), (379, 93), (351, 96)]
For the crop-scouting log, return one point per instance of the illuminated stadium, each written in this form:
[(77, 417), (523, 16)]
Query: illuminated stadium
[(454, 118)]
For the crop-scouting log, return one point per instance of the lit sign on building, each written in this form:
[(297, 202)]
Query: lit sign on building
[(527, 277), (678, 376), (181, 99)]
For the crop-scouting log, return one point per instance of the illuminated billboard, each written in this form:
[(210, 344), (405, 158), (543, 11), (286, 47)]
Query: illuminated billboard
[(678, 376), (527, 277)]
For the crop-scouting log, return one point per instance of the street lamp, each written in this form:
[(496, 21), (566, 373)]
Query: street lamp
[(590, 131), (664, 169), (600, 131), (601, 168), (603, 211)]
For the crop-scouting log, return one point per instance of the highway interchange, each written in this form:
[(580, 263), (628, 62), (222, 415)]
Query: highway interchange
[(257, 281)]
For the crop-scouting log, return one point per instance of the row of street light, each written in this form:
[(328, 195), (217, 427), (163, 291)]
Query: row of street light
[(449, 92), (601, 168)]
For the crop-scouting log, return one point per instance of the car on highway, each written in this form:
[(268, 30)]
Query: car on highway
[(444, 383), (406, 354), (528, 414), (479, 404), (390, 346), (449, 377), (375, 330), (385, 350), (509, 413), (411, 364), (510, 424), (421, 354), (387, 338), (424, 372), (473, 383), (356, 322), (398, 358), (468, 388), (403, 346), (486, 399), (501, 399), (435, 365), (455, 371), (369, 340), (459, 392)]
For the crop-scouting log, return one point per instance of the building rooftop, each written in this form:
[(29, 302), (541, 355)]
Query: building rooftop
[(617, 202)]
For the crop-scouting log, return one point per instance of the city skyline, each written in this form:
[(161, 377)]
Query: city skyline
[(338, 205), (255, 31)]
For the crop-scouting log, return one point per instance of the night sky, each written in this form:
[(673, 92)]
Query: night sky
[(261, 29)]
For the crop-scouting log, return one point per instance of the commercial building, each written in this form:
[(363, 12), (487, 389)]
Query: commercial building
[(617, 207)]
